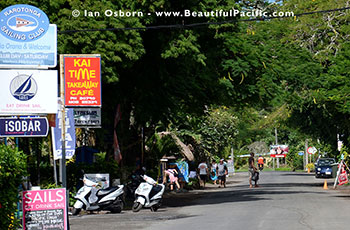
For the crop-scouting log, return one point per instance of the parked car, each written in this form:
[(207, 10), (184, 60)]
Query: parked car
[(324, 167)]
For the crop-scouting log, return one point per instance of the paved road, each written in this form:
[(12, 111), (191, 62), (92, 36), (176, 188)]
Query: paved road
[(285, 200)]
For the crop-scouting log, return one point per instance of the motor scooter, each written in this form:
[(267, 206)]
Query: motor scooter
[(261, 167), (148, 194), (91, 198)]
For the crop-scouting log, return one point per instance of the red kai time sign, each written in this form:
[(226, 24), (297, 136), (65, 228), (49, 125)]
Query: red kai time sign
[(82, 76)]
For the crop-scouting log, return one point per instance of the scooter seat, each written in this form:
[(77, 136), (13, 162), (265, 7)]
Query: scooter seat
[(102, 192)]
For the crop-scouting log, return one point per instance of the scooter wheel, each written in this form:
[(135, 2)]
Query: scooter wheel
[(76, 211), (154, 208), (136, 207)]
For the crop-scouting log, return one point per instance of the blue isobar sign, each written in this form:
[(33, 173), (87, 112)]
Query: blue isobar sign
[(24, 127), (23, 23)]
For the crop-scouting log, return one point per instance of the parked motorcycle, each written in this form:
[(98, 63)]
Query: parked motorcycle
[(148, 194), (91, 198), (130, 188), (261, 167)]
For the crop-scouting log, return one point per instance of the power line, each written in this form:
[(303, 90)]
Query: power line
[(187, 26)]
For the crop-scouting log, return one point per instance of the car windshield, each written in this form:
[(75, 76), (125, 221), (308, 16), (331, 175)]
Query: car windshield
[(324, 162)]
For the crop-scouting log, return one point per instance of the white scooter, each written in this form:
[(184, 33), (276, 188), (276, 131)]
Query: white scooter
[(148, 194), (91, 198)]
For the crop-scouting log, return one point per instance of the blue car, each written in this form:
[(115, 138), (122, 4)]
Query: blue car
[(323, 167)]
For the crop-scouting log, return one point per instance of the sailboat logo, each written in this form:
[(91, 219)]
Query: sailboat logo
[(23, 87)]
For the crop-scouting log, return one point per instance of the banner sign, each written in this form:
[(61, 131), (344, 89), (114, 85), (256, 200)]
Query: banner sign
[(24, 127), (343, 176), (82, 76), (279, 151), (70, 135), (183, 170), (45, 209), (28, 92), (87, 117), (41, 53)]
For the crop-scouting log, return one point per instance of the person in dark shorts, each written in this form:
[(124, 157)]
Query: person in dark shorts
[(203, 173), (222, 172)]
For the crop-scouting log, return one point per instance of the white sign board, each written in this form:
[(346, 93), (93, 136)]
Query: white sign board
[(41, 53), (87, 117), (28, 92)]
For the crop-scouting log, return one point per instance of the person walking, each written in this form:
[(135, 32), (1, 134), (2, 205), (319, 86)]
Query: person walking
[(222, 172), (203, 173), (252, 170), (213, 174)]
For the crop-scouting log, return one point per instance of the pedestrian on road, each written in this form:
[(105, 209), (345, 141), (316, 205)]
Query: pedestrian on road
[(173, 177), (222, 172), (203, 173), (213, 174), (252, 170), (261, 161)]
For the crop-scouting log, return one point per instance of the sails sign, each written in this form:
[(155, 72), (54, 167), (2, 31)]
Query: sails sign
[(28, 92)]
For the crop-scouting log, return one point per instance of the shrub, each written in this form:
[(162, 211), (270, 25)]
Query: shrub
[(311, 166), (12, 169)]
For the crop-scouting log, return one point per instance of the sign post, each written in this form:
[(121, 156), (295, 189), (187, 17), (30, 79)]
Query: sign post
[(63, 120)]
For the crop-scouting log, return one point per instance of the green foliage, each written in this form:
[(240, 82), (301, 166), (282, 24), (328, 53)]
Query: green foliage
[(12, 171), (218, 130), (311, 166)]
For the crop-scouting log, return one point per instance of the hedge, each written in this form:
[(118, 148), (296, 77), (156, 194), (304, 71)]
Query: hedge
[(12, 169)]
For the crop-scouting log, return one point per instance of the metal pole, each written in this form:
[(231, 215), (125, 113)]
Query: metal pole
[(306, 162), (63, 125), (338, 173), (233, 161), (277, 159), (55, 171)]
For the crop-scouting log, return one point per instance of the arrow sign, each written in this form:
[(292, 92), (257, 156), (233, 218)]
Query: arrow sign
[(301, 153)]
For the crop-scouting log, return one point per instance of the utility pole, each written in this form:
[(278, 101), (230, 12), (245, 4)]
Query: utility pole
[(306, 157), (63, 126), (276, 138)]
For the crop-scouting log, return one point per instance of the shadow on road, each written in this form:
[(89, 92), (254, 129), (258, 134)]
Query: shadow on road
[(240, 194), (299, 174)]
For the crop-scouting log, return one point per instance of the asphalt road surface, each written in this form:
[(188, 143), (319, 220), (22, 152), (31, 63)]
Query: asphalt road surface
[(284, 200)]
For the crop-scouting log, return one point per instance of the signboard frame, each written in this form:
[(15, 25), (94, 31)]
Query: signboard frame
[(24, 133), (45, 201), (38, 54), (87, 117), (71, 100), (279, 151), (16, 85)]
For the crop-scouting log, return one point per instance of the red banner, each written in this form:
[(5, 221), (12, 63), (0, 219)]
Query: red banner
[(343, 176), (82, 80), (278, 155)]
